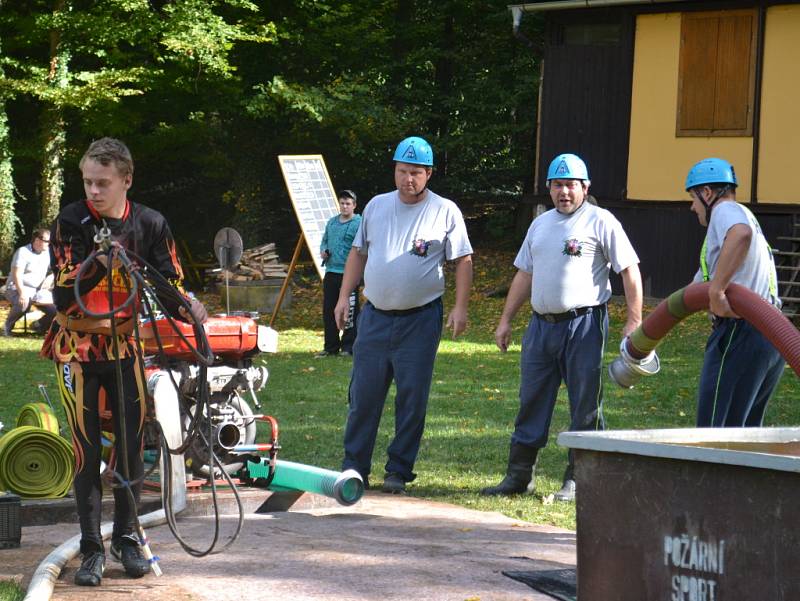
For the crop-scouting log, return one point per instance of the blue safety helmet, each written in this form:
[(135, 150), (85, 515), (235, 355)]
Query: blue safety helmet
[(567, 166), (711, 171), (414, 150)]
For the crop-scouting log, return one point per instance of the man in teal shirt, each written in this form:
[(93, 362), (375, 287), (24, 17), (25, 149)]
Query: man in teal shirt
[(334, 248)]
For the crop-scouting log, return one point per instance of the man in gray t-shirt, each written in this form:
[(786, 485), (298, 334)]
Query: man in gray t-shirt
[(400, 249), (563, 269), (741, 368)]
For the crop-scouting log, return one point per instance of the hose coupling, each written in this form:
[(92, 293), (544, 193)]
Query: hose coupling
[(626, 370)]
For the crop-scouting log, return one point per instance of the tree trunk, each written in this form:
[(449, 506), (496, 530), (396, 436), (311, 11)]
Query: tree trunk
[(8, 218), (54, 135), (54, 140)]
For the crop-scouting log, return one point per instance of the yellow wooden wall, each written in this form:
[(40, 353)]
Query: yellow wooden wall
[(658, 161), (779, 157)]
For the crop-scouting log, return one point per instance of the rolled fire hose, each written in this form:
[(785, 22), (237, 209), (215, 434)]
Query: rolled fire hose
[(35, 463), (346, 487), (766, 318), (39, 415)]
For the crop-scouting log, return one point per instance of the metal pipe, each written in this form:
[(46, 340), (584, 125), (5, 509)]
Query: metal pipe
[(346, 487), (516, 15), (572, 4), (759, 77)]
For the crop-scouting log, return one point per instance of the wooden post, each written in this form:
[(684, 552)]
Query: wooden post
[(298, 247)]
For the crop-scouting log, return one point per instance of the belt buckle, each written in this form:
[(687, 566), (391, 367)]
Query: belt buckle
[(549, 318)]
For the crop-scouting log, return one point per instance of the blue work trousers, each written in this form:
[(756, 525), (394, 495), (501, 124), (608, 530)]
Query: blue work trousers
[(741, 370), (570, 351), (391, 346)]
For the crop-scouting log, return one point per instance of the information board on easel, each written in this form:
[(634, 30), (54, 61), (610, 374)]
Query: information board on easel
[(313, 198), (314, 202)]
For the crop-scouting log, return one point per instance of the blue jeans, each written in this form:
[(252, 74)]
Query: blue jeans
[(741, 370), (571, 351), (399, 347)]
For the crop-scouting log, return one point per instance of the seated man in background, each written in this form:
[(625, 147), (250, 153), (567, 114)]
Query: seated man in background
[(29, 283)]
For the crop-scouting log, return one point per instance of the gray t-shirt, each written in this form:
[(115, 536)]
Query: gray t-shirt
[(569, 257), (406, 246), (757, 271)]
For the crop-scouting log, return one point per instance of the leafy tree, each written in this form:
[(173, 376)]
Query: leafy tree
[(351, 79), (8, 218), (73, 64), (207, 93)]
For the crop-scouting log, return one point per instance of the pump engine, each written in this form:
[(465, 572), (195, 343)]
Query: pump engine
[(233, 381)]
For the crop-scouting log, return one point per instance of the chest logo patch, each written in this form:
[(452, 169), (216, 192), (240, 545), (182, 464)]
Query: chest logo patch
[(420, 247), (572, 248)]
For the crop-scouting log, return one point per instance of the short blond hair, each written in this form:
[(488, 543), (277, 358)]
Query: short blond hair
[(108, 151)]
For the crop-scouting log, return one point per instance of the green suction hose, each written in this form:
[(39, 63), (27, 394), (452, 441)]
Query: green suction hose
[(35, 463), (39, 415), (346, 487)]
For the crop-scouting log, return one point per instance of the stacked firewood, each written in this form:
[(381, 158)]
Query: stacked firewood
[(258, 263)]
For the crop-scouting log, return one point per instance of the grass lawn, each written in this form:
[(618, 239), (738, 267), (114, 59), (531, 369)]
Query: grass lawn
[(472, 405), (11, 591)]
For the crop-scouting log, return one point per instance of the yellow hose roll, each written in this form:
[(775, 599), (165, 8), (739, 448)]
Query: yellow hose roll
[(39, 415), (35, 463)]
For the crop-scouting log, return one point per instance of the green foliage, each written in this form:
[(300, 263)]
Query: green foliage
[(208, 93), (8, 217), (71, 66)]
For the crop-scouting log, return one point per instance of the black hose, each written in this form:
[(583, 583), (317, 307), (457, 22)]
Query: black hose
[(202, 403)]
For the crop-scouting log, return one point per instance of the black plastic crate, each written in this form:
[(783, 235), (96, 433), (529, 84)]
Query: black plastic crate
[(10, 528)]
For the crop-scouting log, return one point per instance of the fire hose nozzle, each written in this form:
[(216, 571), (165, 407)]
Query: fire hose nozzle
[(626, 370), (103, 237)]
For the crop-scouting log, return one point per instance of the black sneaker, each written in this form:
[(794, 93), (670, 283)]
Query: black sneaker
[(91, 571), (394, 484), (324, 353), (127, 551)]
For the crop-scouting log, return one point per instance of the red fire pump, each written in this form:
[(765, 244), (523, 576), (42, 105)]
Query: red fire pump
[(233, 381), (235, 341)]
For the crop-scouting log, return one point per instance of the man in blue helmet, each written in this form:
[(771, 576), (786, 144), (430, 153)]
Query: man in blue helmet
[(741, 369), (399, 250), (563, 268)]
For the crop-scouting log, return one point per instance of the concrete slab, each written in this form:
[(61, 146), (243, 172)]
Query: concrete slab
[(385, 547)]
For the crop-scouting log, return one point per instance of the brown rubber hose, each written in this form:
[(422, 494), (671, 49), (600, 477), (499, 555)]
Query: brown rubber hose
[(766, 318)]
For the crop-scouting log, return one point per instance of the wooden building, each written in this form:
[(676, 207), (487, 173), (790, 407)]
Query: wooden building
[(644, 89)]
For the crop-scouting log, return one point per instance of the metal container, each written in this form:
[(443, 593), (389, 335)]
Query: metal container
[(10, 528), (256, 295), (706, 514)]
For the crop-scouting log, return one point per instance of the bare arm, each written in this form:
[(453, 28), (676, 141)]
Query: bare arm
[(457, 320), (353, 272), (632, 283), (22, 295), (731, 256), (518, 293)]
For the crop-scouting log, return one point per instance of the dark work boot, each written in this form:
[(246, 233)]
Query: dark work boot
[(519, 474), (567, 492)]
